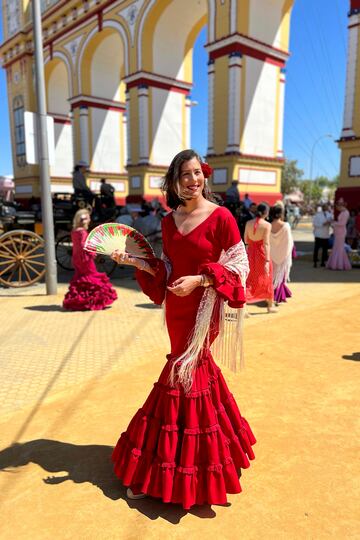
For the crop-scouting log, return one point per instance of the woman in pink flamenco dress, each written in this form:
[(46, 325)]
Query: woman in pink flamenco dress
[(338, 259), (88, 289), (259, 285), (188, 443)]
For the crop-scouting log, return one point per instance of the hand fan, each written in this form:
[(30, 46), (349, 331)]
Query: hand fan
[(107, 237)]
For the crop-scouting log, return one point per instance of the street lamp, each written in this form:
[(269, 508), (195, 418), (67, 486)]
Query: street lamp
[(327, 136), (46, 202)]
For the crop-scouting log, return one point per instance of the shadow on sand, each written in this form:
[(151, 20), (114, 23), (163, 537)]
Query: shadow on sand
[(53, 307), (354, 356), (89, 463)]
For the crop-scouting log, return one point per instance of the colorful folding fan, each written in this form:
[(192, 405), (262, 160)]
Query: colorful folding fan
[(108, 237)]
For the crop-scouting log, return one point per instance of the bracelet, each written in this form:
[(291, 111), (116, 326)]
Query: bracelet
[(203, 281)]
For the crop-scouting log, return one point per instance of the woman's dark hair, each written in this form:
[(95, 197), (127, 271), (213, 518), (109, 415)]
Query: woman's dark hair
[(261, 210), (276, 212), (171, 181)]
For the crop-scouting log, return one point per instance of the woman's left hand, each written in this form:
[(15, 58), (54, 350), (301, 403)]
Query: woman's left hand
[(185, 285)]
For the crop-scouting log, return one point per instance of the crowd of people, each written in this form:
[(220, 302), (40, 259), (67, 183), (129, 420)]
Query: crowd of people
[(341, 235)]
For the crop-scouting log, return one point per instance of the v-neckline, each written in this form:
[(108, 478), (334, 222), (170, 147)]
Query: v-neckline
[(197, 226)]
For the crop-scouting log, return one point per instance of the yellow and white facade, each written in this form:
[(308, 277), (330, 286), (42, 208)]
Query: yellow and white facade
[(118, 82), (349, 143)]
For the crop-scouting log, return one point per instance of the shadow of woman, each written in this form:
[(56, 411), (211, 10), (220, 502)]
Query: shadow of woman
[(89, 463), (52, 307)]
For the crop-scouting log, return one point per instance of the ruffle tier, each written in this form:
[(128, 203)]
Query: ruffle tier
[(186, 448), (89, 292), (281, 293)]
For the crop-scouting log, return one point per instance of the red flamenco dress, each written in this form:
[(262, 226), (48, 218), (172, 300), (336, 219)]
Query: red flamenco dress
[(259, 284), (188, 448), (88, 289)]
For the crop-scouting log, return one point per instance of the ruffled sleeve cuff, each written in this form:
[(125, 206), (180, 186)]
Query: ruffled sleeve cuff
[(153, 286), (227, 284)]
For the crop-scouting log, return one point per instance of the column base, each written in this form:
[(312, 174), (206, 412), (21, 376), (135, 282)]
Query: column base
[(145, 181), (258, 176)]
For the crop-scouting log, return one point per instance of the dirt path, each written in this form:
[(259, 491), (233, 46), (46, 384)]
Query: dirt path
[(80, 378)]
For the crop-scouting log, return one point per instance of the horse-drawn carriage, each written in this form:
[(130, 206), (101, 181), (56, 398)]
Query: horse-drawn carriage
[(22, 246)]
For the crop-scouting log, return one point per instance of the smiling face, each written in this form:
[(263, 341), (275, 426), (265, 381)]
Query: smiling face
[(191, 179)]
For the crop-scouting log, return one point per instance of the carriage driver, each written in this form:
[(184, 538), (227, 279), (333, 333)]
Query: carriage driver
[(80, 186)]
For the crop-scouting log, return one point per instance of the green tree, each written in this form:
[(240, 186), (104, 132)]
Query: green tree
[(291, 176), (311, 190)]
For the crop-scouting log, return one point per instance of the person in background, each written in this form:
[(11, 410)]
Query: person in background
[(296, 216), (232, 198), (351, 233), (88, 289), (129, 214), (232, 195), (80, 186), (321, 227), (107, 192), (259, 284), (357, 227), (247, 201), (281, 247), (246, 214), (338, 259)]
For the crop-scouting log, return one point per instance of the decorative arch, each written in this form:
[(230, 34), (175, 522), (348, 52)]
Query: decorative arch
[(58, 93), (49, 66), (110, 23)]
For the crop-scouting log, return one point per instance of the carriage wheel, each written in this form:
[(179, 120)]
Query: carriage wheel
[(63, 252), (105, 264), (64, 257), (21, 258)]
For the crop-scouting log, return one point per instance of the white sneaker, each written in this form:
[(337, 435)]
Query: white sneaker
[(131, 495)]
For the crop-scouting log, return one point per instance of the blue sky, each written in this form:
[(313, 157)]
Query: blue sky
[(314, 90)]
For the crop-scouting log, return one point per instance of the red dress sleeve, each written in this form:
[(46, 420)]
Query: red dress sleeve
[(227, 284), (154, 286)]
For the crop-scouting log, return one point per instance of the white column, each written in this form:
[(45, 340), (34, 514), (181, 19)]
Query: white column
[(234, 102), (211, 80), (212, 20), (143, 97), (127, 124), (188, 121), (353, 39), (233, 16), (73, 136), (84, 134), (124, 139), (280, 152)]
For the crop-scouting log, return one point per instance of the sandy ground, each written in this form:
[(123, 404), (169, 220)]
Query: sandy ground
[(72, 381)]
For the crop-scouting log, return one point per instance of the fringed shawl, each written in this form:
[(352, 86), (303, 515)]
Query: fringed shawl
[(228, 344), (281, 245)]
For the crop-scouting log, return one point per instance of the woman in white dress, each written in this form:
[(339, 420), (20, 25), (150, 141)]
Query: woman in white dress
[(281, 246)]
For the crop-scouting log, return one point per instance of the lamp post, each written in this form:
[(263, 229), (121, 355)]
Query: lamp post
[(327, 136), (46, 202)]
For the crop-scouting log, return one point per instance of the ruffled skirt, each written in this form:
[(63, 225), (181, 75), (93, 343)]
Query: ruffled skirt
[(186, 448), (89, 292), (281, 293)]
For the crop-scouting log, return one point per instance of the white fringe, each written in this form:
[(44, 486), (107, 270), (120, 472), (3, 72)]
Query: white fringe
[(231, 325)]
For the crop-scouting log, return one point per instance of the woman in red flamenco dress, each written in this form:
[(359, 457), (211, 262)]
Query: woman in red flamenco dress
[(188, 443), (259, 284), (88, 289)]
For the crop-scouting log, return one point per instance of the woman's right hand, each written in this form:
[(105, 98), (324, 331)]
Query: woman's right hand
[(121, 257), (267, 267)]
